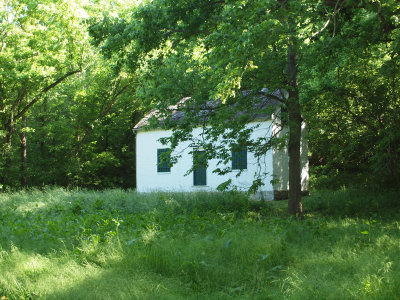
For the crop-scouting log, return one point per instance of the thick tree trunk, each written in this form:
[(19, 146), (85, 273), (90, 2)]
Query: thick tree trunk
[(24, 176), (295, 206)]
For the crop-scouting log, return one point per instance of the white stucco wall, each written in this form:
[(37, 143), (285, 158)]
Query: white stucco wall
[(281, 160), (148, 179)]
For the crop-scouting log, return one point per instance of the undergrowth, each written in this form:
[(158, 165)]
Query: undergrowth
[(115, 244), (355, 202)]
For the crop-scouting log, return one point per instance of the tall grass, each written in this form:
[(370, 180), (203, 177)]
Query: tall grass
[(115, 244), (354, 202)]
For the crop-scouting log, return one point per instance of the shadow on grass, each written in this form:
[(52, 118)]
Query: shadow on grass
[(354, 202)]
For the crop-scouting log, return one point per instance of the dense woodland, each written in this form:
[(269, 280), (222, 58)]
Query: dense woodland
[(76, 76)]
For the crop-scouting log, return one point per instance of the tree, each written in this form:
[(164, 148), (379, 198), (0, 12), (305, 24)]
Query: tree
[(244, 44), (71, 108), (248, 45), (42, 45), (333, 62), (354, 114)]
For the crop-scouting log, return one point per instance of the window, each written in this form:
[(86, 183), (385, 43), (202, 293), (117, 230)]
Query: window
[(163, 160), (239, 158), (199, 168)]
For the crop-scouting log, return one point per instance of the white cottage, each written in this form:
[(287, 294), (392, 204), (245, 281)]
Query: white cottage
[(152, 174)]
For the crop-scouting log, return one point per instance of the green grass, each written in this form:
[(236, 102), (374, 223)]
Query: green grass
[(115, 244)]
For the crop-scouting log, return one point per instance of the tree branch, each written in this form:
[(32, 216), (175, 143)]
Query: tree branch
[(44, 91), (337, 9), (101, 116), (387, 26), (3, 44), (280, 99)]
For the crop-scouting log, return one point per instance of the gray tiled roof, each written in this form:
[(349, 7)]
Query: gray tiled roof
[(261, 105)]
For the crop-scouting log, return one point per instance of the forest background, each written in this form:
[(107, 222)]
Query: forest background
[(76, 76)]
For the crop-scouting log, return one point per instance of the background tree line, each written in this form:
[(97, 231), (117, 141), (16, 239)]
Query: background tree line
[(66, 113), (68, 100)]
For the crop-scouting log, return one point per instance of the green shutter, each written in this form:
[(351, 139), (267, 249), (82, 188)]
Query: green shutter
[(239, 159), (200, 168), (163, 160)]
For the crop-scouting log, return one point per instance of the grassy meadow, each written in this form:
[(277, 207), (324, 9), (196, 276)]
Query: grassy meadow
[(115, 244)]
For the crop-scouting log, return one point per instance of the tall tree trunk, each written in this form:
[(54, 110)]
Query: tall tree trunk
[(24, 176), (295, 206), (42, 146), (8, 149)]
